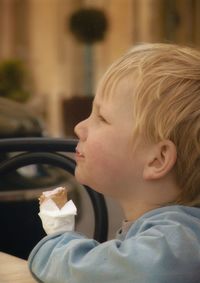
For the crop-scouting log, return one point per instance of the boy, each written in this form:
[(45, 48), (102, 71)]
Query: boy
[(140, 145)]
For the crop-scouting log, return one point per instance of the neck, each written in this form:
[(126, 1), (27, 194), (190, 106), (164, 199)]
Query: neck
[(136, 205), (134, 210)]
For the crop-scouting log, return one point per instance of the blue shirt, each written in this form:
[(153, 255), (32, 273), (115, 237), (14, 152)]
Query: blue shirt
[(162, 246)]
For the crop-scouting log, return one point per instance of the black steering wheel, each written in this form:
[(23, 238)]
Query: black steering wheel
[(48, 151)]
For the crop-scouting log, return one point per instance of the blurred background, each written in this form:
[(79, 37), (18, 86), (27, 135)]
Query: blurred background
[(38, 33), (53, 53)]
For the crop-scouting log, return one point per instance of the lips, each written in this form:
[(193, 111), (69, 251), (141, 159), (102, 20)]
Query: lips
[(78, 154)]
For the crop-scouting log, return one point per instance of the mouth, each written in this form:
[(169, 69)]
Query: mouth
[(78, 154)]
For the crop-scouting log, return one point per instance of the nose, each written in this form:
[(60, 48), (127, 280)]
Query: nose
[(81, 130)]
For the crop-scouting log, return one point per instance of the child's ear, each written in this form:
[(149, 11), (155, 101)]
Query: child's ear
[(160, 160)]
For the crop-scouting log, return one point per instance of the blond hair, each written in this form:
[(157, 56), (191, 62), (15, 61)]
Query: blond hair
[(165, 82)]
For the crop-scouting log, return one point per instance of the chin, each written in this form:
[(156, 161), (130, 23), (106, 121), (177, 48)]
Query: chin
[(86, 180), (80, 178)]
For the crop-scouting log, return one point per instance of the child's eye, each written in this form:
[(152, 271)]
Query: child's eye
[(101, 118)]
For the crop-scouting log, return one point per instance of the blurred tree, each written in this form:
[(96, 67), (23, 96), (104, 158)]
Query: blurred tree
[(88, 25), (14, 80)]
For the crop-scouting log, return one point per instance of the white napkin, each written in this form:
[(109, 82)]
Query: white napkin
[(55, 219)]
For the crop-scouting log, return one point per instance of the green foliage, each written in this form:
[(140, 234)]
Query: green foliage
[(13, 81), (88, 25)]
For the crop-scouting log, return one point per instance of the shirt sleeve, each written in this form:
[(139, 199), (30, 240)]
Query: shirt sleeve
[(148, 257)]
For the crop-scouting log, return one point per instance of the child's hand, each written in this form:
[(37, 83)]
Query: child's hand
[(55, 219)]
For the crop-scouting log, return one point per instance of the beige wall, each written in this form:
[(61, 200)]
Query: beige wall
[(6, 29)]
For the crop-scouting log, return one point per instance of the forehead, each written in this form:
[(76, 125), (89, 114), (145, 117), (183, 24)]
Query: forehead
[(118, 105), (115, 88)]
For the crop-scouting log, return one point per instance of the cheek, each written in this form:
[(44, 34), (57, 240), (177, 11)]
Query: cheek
[(99, 165), (105, 162), (101, 154), (108, 155), (98, 158)]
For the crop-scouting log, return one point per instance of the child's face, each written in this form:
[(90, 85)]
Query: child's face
[(105, 158)]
